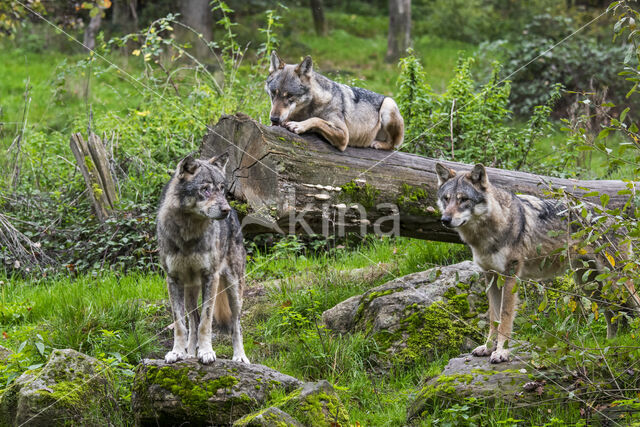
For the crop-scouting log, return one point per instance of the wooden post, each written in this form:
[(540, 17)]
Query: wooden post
[(94, 166)]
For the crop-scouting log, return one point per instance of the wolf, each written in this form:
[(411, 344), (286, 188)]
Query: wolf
[(201, 250), (305, 101), (513, 236)]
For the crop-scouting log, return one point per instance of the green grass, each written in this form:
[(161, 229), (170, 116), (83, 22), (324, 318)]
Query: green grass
[(58, 92)]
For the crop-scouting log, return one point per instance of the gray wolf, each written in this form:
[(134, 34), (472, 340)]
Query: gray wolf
[(513, 236), (201, 251), (305, 101)]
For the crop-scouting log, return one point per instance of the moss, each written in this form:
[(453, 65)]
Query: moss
[(193, 396), (322, 409), (68, 393), (415, 200), (241, 208), (434, 330), (368, 298), (364, 194)]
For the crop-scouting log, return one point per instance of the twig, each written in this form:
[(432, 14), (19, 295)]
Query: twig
[(15, 177), (175, 87), (453, 106)]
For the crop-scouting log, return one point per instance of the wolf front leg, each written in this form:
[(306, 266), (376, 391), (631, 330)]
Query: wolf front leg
[(210, 283), (191, 294), (176, 298), (234, 289), (334, 131), (507, 314), (495, 296)]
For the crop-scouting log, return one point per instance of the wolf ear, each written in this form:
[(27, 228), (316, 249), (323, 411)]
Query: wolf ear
[(188, 165), (276, 62), (220, 161), (305, 67), (444, 174), (478, 176)]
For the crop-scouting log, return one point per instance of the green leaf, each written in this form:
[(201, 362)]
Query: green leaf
[(40, 347), (624, 114), (544, 303)]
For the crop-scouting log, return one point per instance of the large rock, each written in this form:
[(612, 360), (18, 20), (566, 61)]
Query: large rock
[(315, 404), (514, 383), (165, 394), (419, 315), (72, 388)]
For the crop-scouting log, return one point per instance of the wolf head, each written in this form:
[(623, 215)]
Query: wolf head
[(201, 187), (462, 198), (289, 87)]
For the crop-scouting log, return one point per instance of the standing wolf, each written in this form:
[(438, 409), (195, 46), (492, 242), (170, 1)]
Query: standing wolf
[(201, 250), (305, 101), (509, 236)]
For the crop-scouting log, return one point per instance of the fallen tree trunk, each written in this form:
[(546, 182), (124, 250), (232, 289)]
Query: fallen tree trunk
[(293, 184)]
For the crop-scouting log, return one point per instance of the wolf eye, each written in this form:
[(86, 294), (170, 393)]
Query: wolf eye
[(446, 197), (206, 191)]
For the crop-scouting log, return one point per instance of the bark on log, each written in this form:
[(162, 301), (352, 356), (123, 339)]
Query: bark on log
[(280, 179)]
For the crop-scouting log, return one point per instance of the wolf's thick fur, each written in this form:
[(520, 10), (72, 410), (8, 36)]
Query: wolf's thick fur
[(509, 236), (201, 251), (305, 101)]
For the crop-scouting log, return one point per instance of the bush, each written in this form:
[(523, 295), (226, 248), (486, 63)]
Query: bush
[(466, 124), (579, 63)]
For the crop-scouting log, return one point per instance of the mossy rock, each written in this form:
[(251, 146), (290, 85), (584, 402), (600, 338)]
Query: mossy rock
[(165, 394), (491, 385), (438, 311), (315, 404), (72, 388)]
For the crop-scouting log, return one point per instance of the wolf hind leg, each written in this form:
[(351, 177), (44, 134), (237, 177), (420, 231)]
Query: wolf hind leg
[(507, 314), (176, 298), (234, 287), (391, 124), (495, 300)]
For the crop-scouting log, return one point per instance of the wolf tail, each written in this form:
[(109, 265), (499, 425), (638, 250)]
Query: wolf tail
[(221, 308)]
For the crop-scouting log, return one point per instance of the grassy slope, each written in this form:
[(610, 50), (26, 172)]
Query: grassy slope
[(126, 315)]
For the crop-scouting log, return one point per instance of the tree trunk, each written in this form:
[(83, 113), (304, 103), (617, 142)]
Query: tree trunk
[(317, 10), (292, 184), (399, 29), (91, 30), (124, 15), (197, 15)]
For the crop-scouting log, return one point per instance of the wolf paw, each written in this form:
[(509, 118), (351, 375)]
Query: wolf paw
[(481, 351), (207, 357), (174, 356), (499, 356), (381, 145), (240, 358), (295, 127)]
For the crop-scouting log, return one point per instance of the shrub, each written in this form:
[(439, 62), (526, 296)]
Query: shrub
[(580, 63), (464, 123)]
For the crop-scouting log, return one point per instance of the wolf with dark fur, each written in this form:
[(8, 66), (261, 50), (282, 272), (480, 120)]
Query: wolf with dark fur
[(201, 251), (513, 236), (305, 101)]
